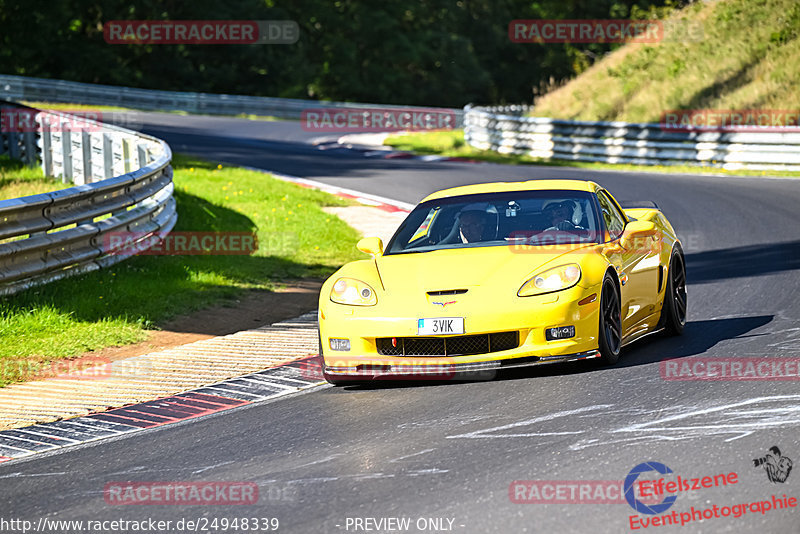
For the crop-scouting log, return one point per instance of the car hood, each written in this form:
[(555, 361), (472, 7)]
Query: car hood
[(464, 268)]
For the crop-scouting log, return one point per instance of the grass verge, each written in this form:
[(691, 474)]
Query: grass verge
[(451, 144), (60, 106), (116, 306), (17, 180), (747, 57)]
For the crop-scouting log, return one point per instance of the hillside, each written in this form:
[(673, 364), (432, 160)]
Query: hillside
[(749, 58)]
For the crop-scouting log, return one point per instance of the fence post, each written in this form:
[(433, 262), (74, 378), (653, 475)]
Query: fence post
[(126, 154), (86, 146), (3, 135), (66, 152), (29, 141), (108, 156), (47, 153), (13, 144), (142, 153)]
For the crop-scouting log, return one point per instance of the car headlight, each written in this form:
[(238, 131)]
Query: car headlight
[(353, 292), (555, 279)]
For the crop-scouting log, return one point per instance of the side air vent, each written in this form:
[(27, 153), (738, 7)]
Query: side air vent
[(447, 292)]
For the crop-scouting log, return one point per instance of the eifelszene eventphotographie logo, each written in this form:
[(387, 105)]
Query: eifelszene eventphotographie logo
[(776, 465), (630, 496)]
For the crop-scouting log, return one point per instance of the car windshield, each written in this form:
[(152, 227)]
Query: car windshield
[(509, 218)]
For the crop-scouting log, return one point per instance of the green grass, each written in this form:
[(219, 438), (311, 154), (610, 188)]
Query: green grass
[(451, 144), (749, 58), (116, 306), (61, 106), (17, 180)]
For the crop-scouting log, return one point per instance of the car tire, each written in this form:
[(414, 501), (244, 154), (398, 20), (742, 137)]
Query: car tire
[(673, 310), (609, 335)]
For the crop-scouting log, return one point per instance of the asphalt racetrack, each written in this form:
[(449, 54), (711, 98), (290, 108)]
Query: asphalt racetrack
[(446, 456)]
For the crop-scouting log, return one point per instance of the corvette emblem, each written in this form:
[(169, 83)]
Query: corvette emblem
[(443, 304)]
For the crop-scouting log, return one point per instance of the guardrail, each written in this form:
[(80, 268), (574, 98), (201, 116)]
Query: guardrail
[(123, 184), (507, 130), (44, 90)]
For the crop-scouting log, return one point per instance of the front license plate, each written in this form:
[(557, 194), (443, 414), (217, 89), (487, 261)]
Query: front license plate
[(440, 326)]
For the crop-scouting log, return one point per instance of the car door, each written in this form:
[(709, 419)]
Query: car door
[(638, 279)]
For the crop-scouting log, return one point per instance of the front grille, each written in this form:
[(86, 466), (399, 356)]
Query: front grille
[(448, 346)]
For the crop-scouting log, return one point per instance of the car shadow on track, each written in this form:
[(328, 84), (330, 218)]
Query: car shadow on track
[(744, 261), (698, 338)]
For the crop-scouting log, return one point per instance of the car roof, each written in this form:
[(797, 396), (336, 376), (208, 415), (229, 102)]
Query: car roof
[(530, 185)]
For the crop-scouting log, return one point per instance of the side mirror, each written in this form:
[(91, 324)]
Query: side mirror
[(636, 231), (371, 245)]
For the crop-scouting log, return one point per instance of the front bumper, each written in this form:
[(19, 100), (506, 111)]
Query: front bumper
[(396, 368), (529, 317)]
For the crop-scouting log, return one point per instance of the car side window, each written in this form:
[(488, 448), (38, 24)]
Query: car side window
[(424, 229), (615, 222)]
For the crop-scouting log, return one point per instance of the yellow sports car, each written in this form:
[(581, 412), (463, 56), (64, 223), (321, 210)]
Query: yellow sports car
[(485, 277)]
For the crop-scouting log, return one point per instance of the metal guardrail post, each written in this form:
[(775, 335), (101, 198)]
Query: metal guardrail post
[(47, 150), (142, 154), (13, 144), (86, 146), (126, 155), (66, 153), (108, 156), (29, 142)]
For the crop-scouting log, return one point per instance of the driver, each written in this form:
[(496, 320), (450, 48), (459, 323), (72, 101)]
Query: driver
[(471, 226), (559, 214)]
